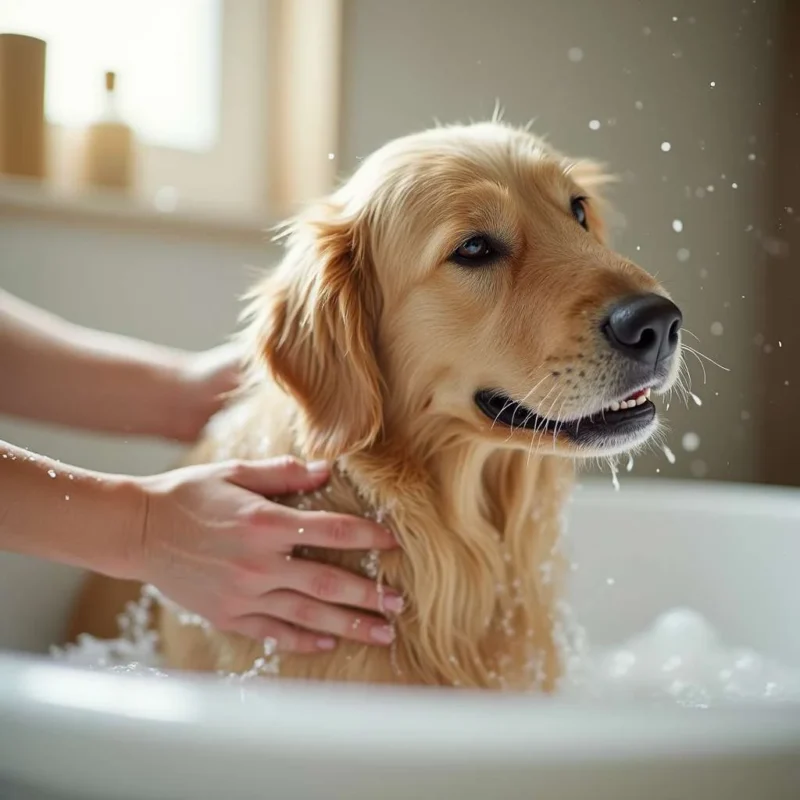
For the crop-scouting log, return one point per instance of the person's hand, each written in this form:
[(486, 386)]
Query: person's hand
[(212, 543), (205, 379)]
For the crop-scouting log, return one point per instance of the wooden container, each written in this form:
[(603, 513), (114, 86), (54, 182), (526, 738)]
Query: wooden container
[(22, 122)]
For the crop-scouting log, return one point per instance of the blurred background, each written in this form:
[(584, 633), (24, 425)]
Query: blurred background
[(147, 145)]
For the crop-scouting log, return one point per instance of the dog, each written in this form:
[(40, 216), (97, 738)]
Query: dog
[(451, 328)]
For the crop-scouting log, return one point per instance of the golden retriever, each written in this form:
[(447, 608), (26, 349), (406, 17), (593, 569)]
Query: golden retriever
[(452, 329)]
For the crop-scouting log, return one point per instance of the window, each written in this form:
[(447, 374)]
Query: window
[(234, 103), (166, 56)]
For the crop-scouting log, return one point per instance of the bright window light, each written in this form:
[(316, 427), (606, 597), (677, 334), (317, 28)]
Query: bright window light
[(166, 54)]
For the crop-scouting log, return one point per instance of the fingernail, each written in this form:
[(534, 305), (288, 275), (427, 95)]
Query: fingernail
[(317, 467), (382, 633), (393, 603), (326, 643)]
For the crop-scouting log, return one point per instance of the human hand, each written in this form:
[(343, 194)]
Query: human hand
[(205, 380), (212, 543)]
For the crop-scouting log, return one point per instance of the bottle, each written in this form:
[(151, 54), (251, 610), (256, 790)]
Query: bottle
[(109, 146)]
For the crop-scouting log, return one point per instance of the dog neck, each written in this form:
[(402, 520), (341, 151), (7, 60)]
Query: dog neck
[(479, 563)]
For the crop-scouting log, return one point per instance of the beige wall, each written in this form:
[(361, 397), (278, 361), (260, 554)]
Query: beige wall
[(411, 61)]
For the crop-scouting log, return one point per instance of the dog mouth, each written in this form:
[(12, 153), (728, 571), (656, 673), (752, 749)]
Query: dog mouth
[(619, 421)]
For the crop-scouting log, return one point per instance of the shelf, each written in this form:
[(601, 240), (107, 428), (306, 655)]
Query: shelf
[(25, 197)]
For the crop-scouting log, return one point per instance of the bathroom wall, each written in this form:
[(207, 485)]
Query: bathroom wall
[(700, 82)]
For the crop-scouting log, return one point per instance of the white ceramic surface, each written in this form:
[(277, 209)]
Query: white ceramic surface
[(732, 553)]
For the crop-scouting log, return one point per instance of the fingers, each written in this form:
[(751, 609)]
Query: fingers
[(278, 476), (338, 587), (317, 616), (289, 639), (333, 531)]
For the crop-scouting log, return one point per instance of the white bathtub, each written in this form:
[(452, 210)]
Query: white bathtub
[(731, 553)]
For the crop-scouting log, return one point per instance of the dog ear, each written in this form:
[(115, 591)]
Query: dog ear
[(319, 315)]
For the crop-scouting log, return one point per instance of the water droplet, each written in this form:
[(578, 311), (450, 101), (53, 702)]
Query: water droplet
[(669, 454), (690, 442), (666, 147), (744, 416), (614, 477), (717, 329), (575, 54), (594, 124), (710, 187), (751, 156), (51, 473), (331, 156), (301, 531), (638, 105), (677, 225), (699, 468), (66, 497), (734, 185), (696, 399), (610, 581), (646, 31), (713, 84), (683, 254), (674, 19), (629, 466), (780, 343), (700, 192)]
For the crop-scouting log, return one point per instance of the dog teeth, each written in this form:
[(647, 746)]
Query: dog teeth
[(622, 405)]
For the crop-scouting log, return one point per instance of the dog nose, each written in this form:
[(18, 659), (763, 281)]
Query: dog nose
[(644, 327)]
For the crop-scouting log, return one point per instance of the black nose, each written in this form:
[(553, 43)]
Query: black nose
[(644, 327)]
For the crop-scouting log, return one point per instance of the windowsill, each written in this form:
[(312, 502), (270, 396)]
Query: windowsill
[(33, 198)]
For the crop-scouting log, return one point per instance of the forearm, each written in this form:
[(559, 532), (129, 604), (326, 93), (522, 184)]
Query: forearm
[(58, 372), (70, 515)]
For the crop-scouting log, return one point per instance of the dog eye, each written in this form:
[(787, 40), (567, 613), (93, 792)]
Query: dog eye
[(475, 252), (578, 208)]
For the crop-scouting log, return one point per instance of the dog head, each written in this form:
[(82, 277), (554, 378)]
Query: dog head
[(461, 280)]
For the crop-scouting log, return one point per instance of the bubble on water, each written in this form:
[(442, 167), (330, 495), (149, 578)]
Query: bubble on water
[(666, 147), (638, 105), (690, 442), (575, 54), (684, 254), (696, 399), (717, 329), (677, 225), (669, 454), (594, 124), (51, 473)]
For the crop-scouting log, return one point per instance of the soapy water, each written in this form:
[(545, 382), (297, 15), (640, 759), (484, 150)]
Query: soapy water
[(679, 660)]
